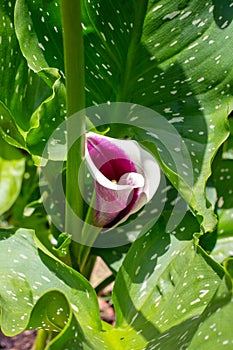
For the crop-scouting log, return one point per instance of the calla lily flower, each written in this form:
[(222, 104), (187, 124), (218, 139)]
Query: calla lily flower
[(126, 177)]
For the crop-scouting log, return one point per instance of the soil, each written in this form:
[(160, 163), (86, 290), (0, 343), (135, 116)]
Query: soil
[(25, 340)]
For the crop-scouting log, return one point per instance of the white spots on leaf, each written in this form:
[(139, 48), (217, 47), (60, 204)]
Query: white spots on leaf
[(196, 21), (143, 286), (157, 8), (103, 36), (83, 26), (225, 342), (59, 311), (41, 46), (189, 59), (157, 267), (185, 15), (195, 301), (217, 59), (201, 24), (211, 9), (45, 278), (171, 15), (173, 43), (205, 37), (133, 119), (75, 308), (110, 26), (192, 45), (203, 293), (176, 120), (168, 110), (154, 257), (224, 25), (23, 256)]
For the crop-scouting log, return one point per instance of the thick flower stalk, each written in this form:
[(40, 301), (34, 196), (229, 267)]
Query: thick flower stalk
[(126, 177)]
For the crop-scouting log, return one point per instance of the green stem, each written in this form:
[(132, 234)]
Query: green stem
[(89, 235), (41, 340), (75, 102)]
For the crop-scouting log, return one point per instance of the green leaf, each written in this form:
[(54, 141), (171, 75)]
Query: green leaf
[(39, 31), (25, 101), (11, 174), (29, 193), (158, 302), (228, 145), (46, 118), (12, 165), (157, 308), (63, 243), (215, 330), (222, 181), (27, 272), (51, 312), (21, 90), (223, 249), (223, 176), (158, 55)]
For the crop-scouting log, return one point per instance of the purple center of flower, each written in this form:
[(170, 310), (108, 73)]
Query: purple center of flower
[(112, 162), (109, 159)]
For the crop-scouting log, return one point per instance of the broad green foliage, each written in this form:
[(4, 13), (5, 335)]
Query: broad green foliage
[(175, 295), (157, 308), (174, 57), (22, 91), (25, 97), (157, 54)]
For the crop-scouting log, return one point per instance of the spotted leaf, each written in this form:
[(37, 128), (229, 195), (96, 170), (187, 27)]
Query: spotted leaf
[(27, 272), (168, 299)]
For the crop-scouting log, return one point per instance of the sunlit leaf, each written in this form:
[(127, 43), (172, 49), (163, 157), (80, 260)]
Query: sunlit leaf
[(26, 273), (12, 164), (158, 302)]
